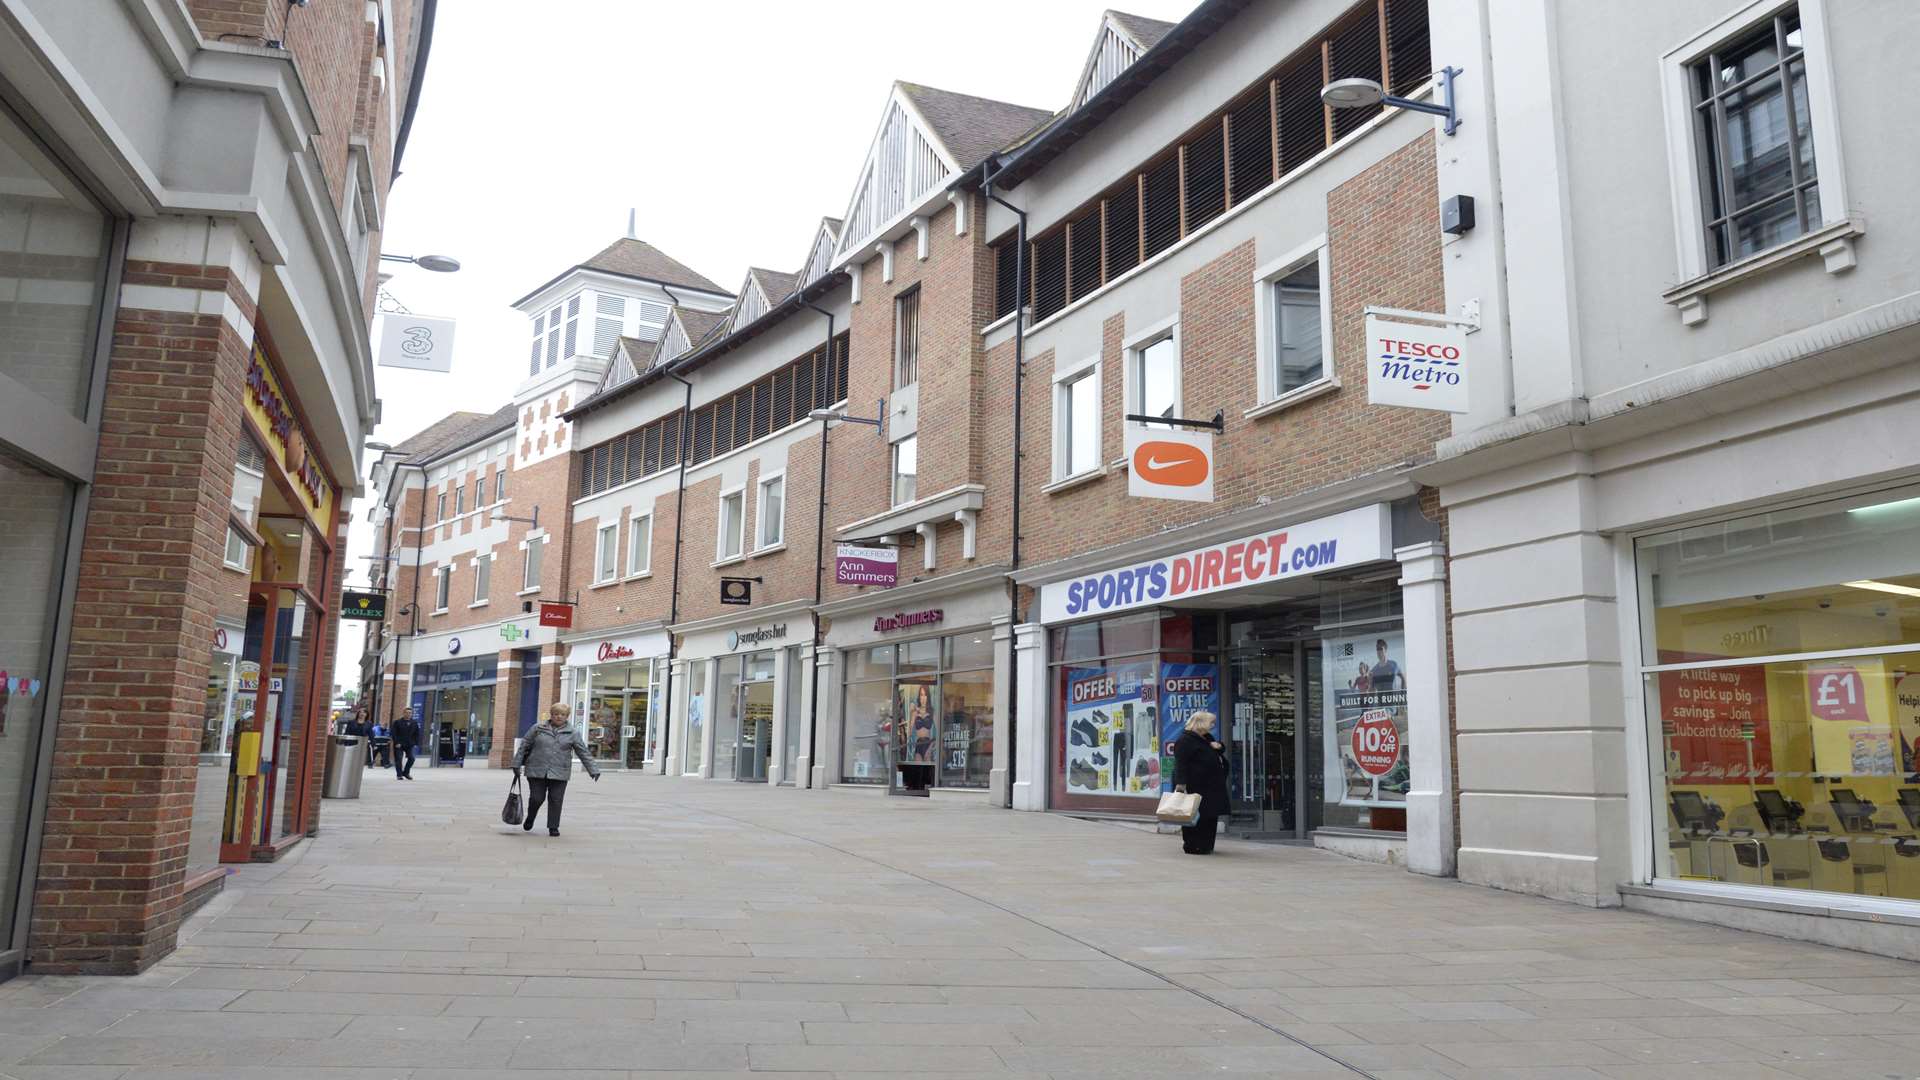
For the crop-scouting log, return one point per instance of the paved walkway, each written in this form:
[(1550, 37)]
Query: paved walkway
[(685, 929)]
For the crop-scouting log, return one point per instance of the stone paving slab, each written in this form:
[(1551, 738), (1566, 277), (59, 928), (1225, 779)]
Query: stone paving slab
[(682, 929)]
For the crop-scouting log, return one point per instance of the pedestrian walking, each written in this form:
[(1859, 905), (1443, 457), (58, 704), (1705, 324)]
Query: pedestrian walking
[(547, 755), (1200, 766), (406, 734), (377, 740)]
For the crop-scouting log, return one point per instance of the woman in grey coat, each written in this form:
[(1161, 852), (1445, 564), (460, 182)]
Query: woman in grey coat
[(547, 755)]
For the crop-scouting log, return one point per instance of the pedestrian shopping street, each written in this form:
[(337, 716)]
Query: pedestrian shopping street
[(680, 928)]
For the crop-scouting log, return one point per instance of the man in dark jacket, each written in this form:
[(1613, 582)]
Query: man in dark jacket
[(406, 734)]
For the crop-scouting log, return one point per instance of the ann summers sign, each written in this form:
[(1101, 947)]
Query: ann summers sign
[(1416, 367)]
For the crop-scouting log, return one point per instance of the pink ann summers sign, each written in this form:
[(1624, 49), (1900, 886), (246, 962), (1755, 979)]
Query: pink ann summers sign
[(855, 565)]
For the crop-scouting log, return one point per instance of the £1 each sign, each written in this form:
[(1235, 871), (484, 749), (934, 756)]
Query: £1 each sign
[(1166, 463), (1416, 367)]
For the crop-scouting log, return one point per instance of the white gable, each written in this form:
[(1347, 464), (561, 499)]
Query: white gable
[(752, 304), (905, 164), (820, 259), (1113, 52)]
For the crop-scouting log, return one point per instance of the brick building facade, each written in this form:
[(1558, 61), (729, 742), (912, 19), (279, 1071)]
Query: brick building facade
[(1154, 234), (192, 442)]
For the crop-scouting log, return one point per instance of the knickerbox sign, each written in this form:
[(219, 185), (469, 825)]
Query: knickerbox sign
[(902, 620), (1345, 539), (856, 565), (1416, 367), (1169, 464)]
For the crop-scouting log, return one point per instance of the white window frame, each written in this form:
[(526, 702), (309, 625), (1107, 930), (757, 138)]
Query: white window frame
[(482, 580), (720, 552), (1063, 380), (606, 557), (440, 508), (762, 517), (244, 563), (442, 588), (500, 483), (1266, 318), (1686, 172), (530, 574), (893, 471), (1135, 345), (640, 546)]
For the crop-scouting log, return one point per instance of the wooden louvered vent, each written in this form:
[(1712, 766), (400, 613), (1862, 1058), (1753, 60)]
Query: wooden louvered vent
[(1083, 241), (1050, 275), (1160, 207), (1269, 130)]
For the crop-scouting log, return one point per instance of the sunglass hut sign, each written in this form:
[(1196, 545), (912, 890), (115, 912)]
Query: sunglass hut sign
[(1346, 539)]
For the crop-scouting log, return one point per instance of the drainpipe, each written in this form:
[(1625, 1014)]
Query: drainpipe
[(1019, 386), (673, 606), (819, 562)]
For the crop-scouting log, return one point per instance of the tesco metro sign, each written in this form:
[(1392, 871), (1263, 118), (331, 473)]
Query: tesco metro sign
[(1299, 550), (1416, 367)]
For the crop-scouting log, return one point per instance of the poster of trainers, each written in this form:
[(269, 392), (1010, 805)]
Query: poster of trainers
[(1366, 740), (1110, 712)]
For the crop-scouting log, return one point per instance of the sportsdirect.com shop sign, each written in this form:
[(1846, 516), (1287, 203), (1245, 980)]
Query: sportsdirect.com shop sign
[(1347, 539)]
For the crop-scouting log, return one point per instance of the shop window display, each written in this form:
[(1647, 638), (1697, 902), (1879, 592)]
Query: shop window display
[(929, 701), (1781, 669)]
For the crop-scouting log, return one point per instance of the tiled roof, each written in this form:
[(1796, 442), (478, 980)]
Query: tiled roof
[(1147, 32), (640, 351), (453, 431), (700, 325), (637, 258), (776, 285), (972, 127)]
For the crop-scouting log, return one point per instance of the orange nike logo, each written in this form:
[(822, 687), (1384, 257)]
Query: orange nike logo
[(1170, 463)]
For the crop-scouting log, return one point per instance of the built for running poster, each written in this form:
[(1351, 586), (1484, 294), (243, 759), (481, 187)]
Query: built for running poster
[(1110, 712), (1366, 738)]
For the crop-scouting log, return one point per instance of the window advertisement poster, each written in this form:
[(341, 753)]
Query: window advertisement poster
[(916, 723), (1185, 689), (1109, 711), (1906, 711), (1366, 747), (1714, 725)]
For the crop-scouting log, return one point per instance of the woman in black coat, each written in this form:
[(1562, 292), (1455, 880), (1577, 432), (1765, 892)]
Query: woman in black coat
[(1200, 766)]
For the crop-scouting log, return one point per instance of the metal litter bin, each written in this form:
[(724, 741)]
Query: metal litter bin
[(346, 765)]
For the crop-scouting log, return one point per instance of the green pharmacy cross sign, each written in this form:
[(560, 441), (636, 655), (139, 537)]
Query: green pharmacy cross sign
[(363, 605)]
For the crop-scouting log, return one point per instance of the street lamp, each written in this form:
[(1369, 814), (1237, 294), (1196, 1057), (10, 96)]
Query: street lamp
[(826, 416), (1365, 93), (439, 264)]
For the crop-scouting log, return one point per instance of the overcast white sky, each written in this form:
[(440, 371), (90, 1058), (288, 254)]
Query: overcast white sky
[(731, 128)]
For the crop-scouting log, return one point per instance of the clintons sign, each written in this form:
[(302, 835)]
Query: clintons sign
[(1356, 536)]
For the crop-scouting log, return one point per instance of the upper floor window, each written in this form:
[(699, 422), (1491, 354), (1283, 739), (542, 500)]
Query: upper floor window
[(459, 499), (733, 525), (479, 491), (482, 578), (530, 571), (442, 585), (772, 513), (1153, 374), (1076, 411), (440, 507), (606, 558), (906, 470), (500, 484), (640, 545), (906, 338), (1292, 311), (1753, 125)]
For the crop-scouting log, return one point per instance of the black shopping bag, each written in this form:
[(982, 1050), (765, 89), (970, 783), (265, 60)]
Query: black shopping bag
[(511, 813)]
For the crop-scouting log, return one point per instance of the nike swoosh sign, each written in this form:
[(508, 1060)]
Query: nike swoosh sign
[(1171, 464)]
